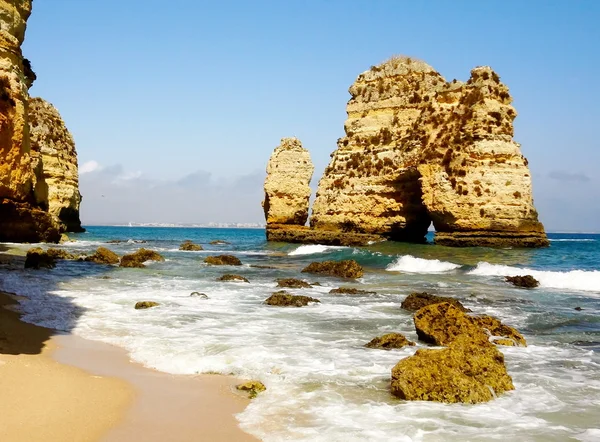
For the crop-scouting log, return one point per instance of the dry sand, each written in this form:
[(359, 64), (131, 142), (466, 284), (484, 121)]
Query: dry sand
[(64, 388)]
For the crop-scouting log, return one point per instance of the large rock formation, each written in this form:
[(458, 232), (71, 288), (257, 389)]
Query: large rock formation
[(23, 198), (287, 189), (24, 201), (418, 150), (53, 146)]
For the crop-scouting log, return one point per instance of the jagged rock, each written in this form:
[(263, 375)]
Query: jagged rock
[(508, 335), (526, 281), (61, 254), (343, 269), (223, 260), (466, 371), (389, 341), (230, 277), (293, 283), (142, 305), (104, 256), (350, 291), (287, 189), (137, 259), (442, 323), (219, 242), (416, 301), (190, 246), (285, 299), (53, 150), (23, 193), (252, 387), (37, 259), (419, 150)]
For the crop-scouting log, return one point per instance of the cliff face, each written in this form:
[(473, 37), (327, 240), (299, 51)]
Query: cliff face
[(53, 149), (23, 191), (287, 190), (420, 150)]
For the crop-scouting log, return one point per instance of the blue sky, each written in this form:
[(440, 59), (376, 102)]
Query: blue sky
[(158, 93)]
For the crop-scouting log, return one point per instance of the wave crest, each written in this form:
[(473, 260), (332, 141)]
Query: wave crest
[(310, 249), (411, 264)]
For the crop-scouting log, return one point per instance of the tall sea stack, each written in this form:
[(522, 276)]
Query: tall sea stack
[(420, 150)]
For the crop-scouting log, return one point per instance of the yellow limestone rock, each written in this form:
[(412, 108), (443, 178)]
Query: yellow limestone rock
[(287, 189), (52, 145), (23, 195)]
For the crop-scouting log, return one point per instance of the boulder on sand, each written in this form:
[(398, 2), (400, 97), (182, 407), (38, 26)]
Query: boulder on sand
[(343, 269)]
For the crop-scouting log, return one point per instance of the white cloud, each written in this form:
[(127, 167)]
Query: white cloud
[(88, 167)]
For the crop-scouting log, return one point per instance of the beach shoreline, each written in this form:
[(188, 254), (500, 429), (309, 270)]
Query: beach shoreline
[(60, 387)]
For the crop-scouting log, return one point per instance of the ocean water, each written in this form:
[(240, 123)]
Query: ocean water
[(322, 383)]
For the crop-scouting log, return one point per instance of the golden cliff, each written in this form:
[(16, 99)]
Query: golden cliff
[(53, 146), (24, 204), (419, 150)]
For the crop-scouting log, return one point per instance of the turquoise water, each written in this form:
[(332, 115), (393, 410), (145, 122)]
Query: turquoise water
[(322, 383)]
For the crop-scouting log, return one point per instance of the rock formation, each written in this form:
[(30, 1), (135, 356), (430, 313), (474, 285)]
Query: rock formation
[(419, 149), (53, 149), (287, 189), (24, 193)]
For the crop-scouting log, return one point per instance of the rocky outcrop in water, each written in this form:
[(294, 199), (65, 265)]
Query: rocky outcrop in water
[(389, 341), (285, 299), (416, 301), (343, 269), (287, 189), (27, 204), (466, 371), (421, 150), (53, 150)]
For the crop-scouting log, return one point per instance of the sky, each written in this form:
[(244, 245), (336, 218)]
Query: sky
[(176, 106)]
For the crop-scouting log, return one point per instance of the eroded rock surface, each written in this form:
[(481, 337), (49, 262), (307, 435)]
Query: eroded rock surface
[(235, 278), (287, 189), (293, 283), (189, 246), (223, 260), (389, 341), (416, 301), (53, 150), (285, 299), (466, 371), (526, 281), (343, 269), (137, 259), (102, 255)]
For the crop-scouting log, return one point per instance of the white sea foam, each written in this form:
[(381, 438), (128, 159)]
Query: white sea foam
[(573, 240), (311, 249), (411, 264), (574, 280)]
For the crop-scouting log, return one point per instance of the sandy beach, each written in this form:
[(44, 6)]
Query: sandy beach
[(62, 387)]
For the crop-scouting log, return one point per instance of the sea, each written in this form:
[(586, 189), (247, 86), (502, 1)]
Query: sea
[(322, 383)]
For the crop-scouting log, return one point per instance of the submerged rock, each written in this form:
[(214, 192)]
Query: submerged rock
[(389, 341), (230, 277), (293, 283), (466, 371), (285, 299), (145, 304), (526, 281), (199, 295), (219, 242), (103, 256), (223, 260), (137, 259), (350, 291), (343, 269), (252, 387), (190, 246), (37, 259), (416, 301)]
